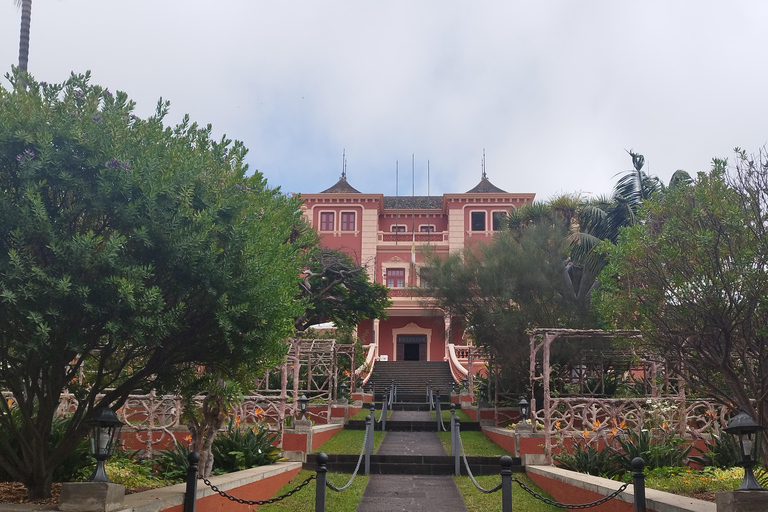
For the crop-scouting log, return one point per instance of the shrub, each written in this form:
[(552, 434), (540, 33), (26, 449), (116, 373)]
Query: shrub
[(722, 451), (657, 448), (238, 449), (586, 458), (172, 464)]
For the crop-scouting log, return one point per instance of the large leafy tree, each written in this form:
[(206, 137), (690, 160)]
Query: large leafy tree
[(337, 289), (129, 250), (519, 281), (694, 279)]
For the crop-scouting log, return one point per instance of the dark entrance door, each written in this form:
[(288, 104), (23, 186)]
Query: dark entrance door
[(411, 347), (410, 351)]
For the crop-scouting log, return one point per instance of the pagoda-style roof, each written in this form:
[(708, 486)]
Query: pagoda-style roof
[(413, 203), (486, 187), (341, 187)]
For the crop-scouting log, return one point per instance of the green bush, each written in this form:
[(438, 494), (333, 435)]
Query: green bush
[(656, 447), (172, 464), (238, 449), (722, 451), (585, 458)]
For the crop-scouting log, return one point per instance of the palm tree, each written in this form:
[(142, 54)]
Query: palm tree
[(26, 18)]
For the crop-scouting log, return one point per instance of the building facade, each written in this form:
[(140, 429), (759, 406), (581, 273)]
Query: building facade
[(390, 236)]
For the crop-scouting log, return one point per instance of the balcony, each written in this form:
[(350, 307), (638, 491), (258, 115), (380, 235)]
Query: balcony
[(407, 236)]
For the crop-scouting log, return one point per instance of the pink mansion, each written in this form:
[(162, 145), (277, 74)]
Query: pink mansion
[(388, 235)]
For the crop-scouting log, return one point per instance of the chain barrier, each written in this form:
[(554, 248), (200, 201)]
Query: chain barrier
[(258, 502), (357, 468), (469, 471), (571, 506)]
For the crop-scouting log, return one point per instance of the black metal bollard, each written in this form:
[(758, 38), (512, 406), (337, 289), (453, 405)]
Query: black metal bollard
[(457, 454), (384, 414), (190, 495), (506, 484), (453, 430), (322, 469), (438, 411), (638, 482), (368, 443)]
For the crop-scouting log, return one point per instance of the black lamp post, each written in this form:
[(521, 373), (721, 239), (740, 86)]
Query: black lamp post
[(523, 404), (743, 426), (303, 402), (343, 391), (105, 434)]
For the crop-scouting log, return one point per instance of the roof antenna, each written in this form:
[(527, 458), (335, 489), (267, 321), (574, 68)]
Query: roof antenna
[(484, 175), (344, 164)]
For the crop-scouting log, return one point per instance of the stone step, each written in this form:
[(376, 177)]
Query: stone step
[(415, 464), (412, 426)]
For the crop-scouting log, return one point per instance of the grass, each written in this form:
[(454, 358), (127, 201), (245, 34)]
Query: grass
[(349, 442), (304, 500), (446, 415), (476, 444), (365, 412), (690, 482), (478, 501)]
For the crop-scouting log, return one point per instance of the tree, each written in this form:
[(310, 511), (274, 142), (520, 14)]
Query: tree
[(131, 251), (694, 279), (26, 20), (337, 289), (516, 282)]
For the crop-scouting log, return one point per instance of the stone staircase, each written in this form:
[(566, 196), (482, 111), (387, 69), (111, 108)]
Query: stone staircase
[(411, 378)]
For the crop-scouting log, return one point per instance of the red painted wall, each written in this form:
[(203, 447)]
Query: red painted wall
[(566, 493), (259, 490)]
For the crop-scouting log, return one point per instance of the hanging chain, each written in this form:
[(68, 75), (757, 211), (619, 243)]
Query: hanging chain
[(357, 468), (469, 471), (259, 502), (568, 505)]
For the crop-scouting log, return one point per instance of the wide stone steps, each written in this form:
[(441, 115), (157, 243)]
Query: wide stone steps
[(412, 377)]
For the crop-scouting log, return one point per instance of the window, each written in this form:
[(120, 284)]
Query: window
[(478, 221), (326, 221), (498, 220), (427, 228), (398, 229), (395, 277), (347, 221)]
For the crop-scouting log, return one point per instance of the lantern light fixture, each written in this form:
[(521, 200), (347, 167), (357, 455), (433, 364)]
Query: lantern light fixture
[(105, 435), (744, 428)]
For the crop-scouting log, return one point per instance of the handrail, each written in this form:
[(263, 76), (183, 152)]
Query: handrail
[(370, 359), (458, 371)]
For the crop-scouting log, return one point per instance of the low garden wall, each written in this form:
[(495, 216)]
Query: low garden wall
[(251, 484), (571, 487), (309, 439)]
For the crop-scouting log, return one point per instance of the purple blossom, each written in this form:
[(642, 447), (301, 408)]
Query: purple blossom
[(126, 166), (112, 163), (108, 93), (239, 187), (96, 118), (19, 158), (29, 153)]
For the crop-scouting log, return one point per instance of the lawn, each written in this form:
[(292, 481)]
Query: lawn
[(446, 415), (475, 444), (478, 501), (304, 500), (365, 412), (349, 442)]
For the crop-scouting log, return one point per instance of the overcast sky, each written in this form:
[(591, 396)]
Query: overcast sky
[(554, 92)]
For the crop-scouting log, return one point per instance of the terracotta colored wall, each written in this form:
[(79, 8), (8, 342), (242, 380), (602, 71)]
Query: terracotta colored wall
[(566, 493), (259, 490), (506, 442), (318, 438)]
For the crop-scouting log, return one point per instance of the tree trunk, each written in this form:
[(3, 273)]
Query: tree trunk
[(204, 430), (26, 19)]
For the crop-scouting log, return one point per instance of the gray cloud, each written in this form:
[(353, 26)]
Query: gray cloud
[(553, 91)]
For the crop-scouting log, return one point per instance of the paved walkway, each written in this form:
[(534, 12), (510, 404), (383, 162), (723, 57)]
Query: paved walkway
[(411, 493)]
